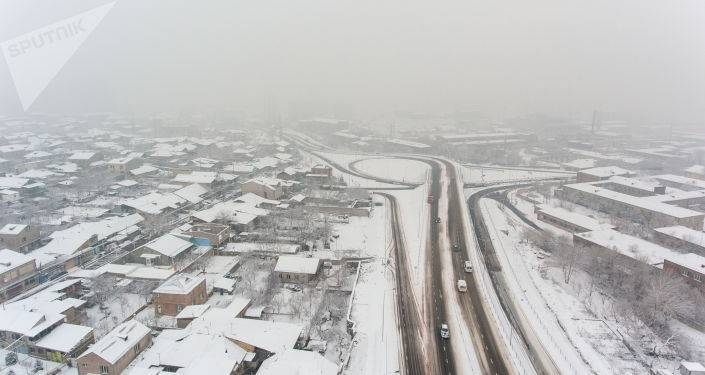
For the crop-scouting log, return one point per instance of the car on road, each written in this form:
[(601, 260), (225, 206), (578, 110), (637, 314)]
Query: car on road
[(468, 266), (437, 220), (445, 333), (456, 247), (462, 286)]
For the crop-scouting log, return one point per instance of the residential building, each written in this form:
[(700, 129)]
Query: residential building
[(209, 234), (295, 269), (125, 163), (27, 321), (269, 189), (166, 250), (19, 237), (64, 342), (114, 352), (17, 273), (179, 291), (321, 169)]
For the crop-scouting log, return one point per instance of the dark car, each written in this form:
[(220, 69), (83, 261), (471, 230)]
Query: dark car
[(437, 220)]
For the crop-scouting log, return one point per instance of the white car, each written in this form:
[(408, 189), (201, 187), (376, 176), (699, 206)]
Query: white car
[(468, 266), (445, 333), (462, 286)]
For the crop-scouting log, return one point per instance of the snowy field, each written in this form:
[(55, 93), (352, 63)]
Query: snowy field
[(403, 170)]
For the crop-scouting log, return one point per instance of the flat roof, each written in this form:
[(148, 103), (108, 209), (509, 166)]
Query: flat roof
[(686, 234), (693, 262), (574, 218), (694, 182), (629, 246), (646, 204), (632, 183)]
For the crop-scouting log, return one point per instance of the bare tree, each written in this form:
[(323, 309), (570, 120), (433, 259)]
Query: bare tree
[(666, 297)]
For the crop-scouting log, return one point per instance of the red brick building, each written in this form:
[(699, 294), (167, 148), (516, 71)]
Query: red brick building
[(178, 292), (114, 352)]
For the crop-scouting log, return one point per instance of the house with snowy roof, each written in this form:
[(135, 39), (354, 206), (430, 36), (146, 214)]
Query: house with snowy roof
[(161, 251), (296, 269), (28, 321), (177, 293), (114, 352), (18, 237), (16, 273)]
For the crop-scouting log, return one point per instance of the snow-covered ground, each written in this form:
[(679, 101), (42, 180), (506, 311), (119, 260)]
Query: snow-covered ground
[(376, 345), (585, 316), (505, 236), (494, 175), (404, 170), (414, 213), (115, 311)]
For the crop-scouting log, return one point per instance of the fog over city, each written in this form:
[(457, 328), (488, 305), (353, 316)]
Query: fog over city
[(641, 59), (352, 187)]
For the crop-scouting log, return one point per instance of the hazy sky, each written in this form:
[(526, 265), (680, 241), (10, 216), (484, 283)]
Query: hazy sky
[(365, 57)]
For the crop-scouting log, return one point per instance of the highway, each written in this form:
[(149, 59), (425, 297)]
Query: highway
[(407, 311), (420, 316)]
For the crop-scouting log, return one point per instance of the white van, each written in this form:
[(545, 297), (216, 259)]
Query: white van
[(462, 286), (468, 266)]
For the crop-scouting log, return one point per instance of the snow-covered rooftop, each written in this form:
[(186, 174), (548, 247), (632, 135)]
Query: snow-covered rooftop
[(192, 311), (693, 236), (196, 177), (179, 284), (64, 338), (297, 362), (693, 262), (630, 246), (154, 203), (12, 229), (246, 247), (11, 259), (117, 342), (693, 182), (169, 245), (297, 264), (191, 352), (667, 209), (573, 218)]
